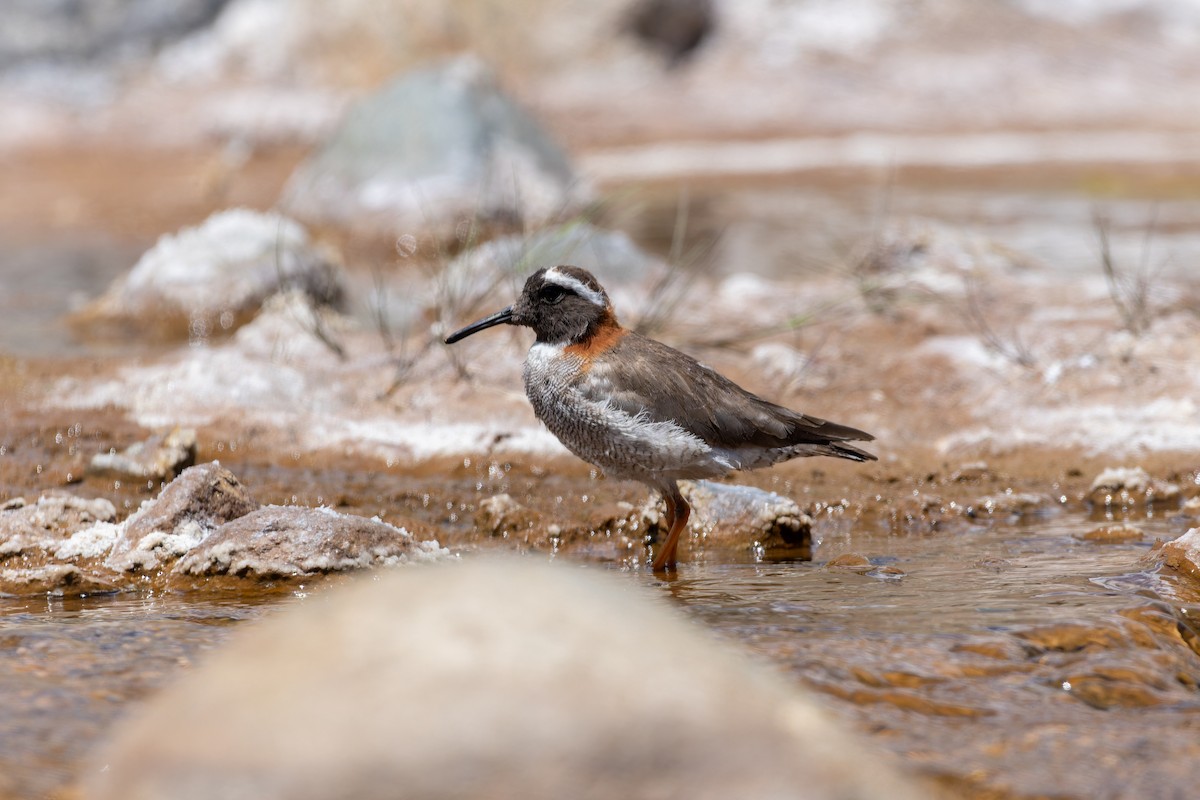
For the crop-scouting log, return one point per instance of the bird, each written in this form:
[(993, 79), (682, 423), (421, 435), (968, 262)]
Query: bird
[(639, 409)]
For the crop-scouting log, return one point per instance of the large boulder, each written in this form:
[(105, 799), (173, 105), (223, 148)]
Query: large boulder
[(430, 149), (493, 679), (210, 279)]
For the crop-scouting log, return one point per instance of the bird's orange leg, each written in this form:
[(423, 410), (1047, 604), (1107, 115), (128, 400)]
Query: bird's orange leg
[(678, 512)]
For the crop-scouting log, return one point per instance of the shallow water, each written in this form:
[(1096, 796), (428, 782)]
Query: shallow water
[(946, 648), (69, 667), (972, 639)]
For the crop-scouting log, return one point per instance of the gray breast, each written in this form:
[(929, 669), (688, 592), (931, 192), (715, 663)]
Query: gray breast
[(622, 444)]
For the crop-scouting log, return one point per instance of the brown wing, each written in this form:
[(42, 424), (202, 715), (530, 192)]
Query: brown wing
[(640, 375)]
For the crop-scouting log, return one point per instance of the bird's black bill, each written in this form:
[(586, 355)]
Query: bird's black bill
[(499, 318)]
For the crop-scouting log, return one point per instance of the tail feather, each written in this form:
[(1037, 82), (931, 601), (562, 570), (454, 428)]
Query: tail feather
[(851, 452)]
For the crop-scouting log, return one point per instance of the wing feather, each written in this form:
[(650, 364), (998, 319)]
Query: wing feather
[(643, 376)]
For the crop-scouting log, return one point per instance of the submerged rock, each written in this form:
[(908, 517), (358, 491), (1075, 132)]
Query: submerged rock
[(501, 679), (1113, 534), (159, 458), (281, 541), (851, 562), (187, 510), (432, 148), (212, 278)]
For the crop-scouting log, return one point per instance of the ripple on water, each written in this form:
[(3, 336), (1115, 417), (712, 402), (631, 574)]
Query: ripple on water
[(985, 651), (1022, 633), (70, 666)]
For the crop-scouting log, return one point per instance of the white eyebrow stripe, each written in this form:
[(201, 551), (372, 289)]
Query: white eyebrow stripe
[(574, 284)]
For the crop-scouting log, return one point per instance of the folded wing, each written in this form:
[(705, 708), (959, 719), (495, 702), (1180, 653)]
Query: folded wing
[(646, 377)]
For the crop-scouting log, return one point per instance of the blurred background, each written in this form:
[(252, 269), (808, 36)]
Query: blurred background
[(790, 132)]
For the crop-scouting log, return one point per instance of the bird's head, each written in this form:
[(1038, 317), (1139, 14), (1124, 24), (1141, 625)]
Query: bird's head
[(562, 304)]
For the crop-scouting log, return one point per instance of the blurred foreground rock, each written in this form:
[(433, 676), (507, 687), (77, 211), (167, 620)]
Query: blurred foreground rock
[(435, 147), (497, 679), (211, 279)]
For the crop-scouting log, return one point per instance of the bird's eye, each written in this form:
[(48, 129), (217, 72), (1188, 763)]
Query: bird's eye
[(551, 293)]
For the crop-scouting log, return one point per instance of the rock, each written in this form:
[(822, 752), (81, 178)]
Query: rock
[(596, 531), (1191, 508), (851, 562), (1127, 486), (674, 28), (94, 542), (1011, 504), (1183, 553), (212, 278), (187, 510), (748, 517), (56, 579), (159, 458), (59, 32), (501, 515), (492, 679), (925, 512), (433, 148), (1113, 534), (725, 517), (738, 518), (45, 525), (971, 473), (282, 541)]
